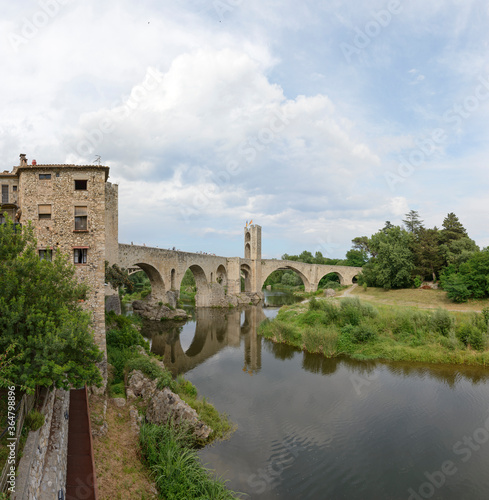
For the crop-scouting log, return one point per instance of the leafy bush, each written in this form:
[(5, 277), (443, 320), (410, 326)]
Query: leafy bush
[(126, 336), (146, 365), (363, 333), (469, 334), (417, 282), (442, 322)]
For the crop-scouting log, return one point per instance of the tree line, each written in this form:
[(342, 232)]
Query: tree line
[(407, 255)]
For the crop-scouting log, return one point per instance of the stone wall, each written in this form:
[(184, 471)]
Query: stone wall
[(112, 223), (58, 231)]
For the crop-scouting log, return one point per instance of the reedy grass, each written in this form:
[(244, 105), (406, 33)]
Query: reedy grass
[(396, 333), (176, 467)]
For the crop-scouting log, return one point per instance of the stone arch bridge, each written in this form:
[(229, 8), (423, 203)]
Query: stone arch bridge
[(218, 279)]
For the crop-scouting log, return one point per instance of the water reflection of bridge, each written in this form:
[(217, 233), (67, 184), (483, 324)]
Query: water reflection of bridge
[(215, 329)]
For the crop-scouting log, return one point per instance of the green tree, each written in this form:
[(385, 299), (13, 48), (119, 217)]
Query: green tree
[(412, 222), (452, 229), (428, 258), (117, 277), (393, 262), (472, 279), (363, 244), (356, 258), (40, 316), (457, 251)]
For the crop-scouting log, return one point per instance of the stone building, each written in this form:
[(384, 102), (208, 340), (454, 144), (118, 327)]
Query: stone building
[(74, 209)]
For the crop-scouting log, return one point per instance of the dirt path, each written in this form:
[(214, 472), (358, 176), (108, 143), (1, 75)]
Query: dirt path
[(349, 290)]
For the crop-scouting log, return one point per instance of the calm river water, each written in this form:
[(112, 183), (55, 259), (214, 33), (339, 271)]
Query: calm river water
[(316, 428)]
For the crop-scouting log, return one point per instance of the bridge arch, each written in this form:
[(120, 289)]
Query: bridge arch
[(222, 276), (246, 274), (199, 275), (324, 274), (158, 288), (303, 277)]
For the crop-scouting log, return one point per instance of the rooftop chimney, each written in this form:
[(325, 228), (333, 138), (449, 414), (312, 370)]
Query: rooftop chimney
[(23, 160)]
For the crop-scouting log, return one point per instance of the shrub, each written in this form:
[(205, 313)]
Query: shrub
[(34, 420), (363, 333), (471, 336), (346, 340), (146, 365), (442, 322), (417, 282)]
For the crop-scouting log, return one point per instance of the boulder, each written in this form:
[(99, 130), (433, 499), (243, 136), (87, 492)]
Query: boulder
[(329, 292), (156, 311), (166, 405), (140, 385)]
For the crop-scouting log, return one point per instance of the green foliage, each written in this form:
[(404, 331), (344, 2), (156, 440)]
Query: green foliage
[(40, 313), (146, 365), (124, 334), (393, 262), (417, 281), (442, 322), (117, 277), (188, 279), (413, 223), (34, 420), (471, 336), (385, 332), (176, 467), (289, 278), (452, 228), (471, 280)]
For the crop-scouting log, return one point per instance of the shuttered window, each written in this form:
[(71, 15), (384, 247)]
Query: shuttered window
[(80, 255), (44, 211), (81, 219)]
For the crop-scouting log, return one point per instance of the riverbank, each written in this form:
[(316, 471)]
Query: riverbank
[(396, 333), (127, 457)]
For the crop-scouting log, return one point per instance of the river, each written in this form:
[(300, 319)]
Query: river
[(315, 428)]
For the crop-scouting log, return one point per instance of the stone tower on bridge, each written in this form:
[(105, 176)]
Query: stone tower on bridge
[(252, 242)]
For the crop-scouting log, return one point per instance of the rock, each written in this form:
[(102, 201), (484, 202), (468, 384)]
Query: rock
[(166, 405), (119, 402), (329, 292), (139, 385), (157, 311), (136, 419)]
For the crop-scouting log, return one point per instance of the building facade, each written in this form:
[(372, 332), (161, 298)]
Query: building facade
[(73, 209)]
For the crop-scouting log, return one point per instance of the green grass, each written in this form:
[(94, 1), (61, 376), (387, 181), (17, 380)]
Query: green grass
[(363, 331), (431, 299), (176, 467)]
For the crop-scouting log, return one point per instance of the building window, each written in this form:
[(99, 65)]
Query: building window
[(80, 185), (2, 219), (44, 176), (44, 211), (81, 219), (80, 255), (46, 255), (4, 193), (14, 188)]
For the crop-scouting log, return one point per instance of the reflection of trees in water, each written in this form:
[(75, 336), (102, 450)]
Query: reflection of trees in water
[(448, 374), (281, 351)]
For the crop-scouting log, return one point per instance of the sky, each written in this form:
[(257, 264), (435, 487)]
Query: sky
[(317, 120)]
